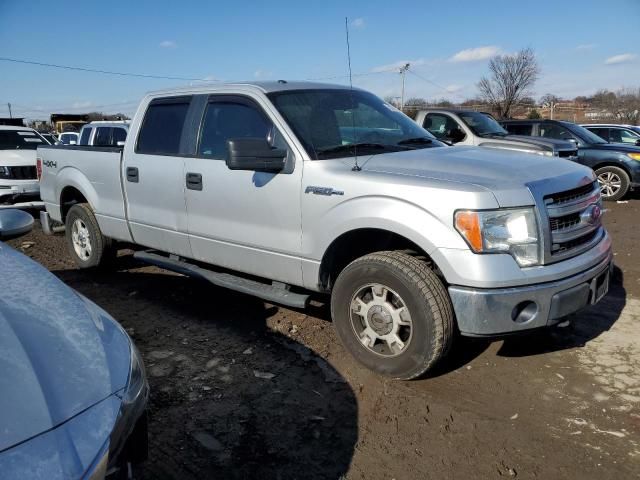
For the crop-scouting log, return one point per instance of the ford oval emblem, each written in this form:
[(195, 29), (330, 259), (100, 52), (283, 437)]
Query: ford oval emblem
[(591, 214)]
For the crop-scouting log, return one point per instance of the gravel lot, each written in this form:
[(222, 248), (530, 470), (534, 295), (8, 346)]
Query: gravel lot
[(244, 389)]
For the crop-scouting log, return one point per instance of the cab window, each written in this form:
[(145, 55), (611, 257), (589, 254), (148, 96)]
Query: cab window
[(229, 119)]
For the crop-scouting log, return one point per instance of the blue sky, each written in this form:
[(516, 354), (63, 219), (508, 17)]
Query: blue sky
[(581, 46)]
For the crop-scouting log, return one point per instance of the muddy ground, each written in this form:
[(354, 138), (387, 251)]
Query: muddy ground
[(244, 389)]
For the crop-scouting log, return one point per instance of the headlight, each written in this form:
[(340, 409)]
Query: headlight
[(635, 156), (134, 402), (5, 172), (512, 231)]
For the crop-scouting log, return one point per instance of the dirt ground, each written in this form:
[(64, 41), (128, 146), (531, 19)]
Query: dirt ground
[(244, 389)]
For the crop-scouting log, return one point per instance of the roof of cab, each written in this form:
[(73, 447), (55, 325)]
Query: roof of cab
[(265, 87)]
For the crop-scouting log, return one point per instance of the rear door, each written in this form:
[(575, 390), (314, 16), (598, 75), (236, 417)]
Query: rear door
[(245, 220), (153, 176)]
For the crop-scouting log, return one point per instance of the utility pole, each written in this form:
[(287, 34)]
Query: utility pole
[(10, 115), (403, 71)]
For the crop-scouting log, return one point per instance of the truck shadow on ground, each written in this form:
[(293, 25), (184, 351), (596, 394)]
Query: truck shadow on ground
[(230, 397)]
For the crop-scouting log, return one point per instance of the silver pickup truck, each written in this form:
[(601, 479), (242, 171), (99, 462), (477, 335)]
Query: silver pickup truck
[(281, 189)]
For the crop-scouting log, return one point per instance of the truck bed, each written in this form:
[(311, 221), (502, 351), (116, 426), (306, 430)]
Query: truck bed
[(96, 171)]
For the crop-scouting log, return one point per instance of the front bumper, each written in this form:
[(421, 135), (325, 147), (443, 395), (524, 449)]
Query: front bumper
[(500, 311)]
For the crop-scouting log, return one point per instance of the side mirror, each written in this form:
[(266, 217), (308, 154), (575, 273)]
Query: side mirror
[(638, 143), (120, 143), (14, 223), (456, 135), (255, 154)]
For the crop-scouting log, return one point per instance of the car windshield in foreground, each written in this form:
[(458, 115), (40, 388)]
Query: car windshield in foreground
[(583, 133), (335, 123), (482, 124), (20, 140)]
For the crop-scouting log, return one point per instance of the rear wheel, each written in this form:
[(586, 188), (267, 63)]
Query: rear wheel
[(393, 314), (614, 182), (85, 242)]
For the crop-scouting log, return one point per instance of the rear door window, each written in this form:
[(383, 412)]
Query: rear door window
[(103, 137), (119, 135), (85, 135), (162, 126)]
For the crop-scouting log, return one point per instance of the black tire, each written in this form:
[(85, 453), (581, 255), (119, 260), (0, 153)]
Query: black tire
[(423, 294), (102, 248), (613, 173)]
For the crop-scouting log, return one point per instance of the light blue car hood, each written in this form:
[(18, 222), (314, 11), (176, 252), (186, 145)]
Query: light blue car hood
[(60, 354)]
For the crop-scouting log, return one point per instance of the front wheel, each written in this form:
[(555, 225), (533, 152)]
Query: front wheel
[(86, 243), (614, 182), (393, 314)]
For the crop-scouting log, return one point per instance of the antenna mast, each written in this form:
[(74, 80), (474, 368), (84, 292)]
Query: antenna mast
[(356, 167)]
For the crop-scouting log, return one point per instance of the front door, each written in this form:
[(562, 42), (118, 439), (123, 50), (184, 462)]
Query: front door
[(245, 220)]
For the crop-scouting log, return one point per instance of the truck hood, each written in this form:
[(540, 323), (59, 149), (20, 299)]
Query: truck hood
[(60, 354), (17, 158), (504, 173)]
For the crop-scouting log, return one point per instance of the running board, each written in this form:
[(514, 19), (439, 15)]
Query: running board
[(276, 293)]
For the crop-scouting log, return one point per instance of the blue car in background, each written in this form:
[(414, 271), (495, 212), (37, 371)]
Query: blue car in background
[(617, 166), (73, 386)]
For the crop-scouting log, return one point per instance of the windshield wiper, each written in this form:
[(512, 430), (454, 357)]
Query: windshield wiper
[(352, 146), (415, 141)]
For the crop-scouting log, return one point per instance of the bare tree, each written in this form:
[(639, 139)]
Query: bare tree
[(623, 105), (511, 78)]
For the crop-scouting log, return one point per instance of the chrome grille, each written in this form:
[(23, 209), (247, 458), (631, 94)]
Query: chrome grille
[(574, 220)]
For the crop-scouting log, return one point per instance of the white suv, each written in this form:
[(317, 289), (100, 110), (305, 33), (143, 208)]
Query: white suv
[(18, 175), (104, 134)]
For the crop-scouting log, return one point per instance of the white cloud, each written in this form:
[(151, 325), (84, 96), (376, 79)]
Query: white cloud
[(475, 54), (453, 88), (262, 74), (623, 58), (357, 23), (586, 46), (168, 44), (84, 104), (400, 63)]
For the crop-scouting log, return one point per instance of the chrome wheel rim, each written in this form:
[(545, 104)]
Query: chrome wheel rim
[(81, 239), (381, 320), (610, 183)]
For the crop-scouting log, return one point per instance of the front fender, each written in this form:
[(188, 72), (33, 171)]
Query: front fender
[(380, 212)]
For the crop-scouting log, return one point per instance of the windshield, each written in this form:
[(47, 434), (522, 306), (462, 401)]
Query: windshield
[(482, 124), (583, 133), (20, 140), (338, 123)]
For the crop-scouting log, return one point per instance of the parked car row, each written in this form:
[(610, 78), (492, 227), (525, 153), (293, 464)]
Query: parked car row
[(612, 151), (617, 166)]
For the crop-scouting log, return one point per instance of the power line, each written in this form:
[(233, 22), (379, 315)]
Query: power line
[(106, 72), (444, 89)]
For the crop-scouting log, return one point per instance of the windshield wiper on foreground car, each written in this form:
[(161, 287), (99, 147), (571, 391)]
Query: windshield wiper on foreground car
[(493, 134)]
